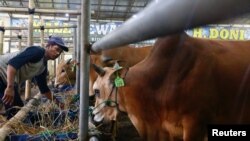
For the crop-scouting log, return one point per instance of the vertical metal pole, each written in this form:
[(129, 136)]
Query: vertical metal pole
[(1, 36), (84, 68), (78, 48), (19, 36), (75, 44), (62, 57), (55, 65), (10, 23), (30, 43), (42, 33)]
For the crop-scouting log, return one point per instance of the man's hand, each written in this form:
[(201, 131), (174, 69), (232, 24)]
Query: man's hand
[(8, 97), (9, 92)]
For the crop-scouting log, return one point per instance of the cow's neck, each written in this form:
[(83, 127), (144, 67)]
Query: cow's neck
[(170, 54)]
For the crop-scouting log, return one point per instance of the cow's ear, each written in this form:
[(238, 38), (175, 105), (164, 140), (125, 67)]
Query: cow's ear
[(116, 78), (99, 70)]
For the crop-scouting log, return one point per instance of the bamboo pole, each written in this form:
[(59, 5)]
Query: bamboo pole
[(30, 43), (43, 11), (1, 37), (19, 117)]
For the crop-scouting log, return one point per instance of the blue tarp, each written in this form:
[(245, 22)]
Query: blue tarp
[(44, 137)]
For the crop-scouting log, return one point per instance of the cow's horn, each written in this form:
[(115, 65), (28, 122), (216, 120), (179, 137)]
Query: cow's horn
[(99, 70), (106, 59), (68, 61)]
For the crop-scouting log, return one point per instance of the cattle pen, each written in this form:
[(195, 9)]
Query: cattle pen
[(143, 20)]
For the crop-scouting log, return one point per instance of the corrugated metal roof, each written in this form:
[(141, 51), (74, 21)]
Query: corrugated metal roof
[(112, 10)]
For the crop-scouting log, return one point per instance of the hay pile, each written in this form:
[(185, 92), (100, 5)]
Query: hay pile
[(45, 117)]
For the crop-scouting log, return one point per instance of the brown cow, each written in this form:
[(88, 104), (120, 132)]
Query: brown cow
[(127, 56), (183, 85), (66, 73)]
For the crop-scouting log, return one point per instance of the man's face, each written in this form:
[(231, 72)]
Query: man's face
[(54, 51)]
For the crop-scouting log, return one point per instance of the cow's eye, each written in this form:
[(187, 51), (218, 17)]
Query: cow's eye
[(63, 70), (97, 92)]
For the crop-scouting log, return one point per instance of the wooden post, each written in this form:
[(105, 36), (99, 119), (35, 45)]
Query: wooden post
[(1, 36), (30, 43)]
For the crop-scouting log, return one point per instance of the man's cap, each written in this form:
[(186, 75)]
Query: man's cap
[(59, 42)]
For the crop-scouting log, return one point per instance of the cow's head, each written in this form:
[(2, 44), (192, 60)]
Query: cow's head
[(106, 93), (100, 60), (66, 73)]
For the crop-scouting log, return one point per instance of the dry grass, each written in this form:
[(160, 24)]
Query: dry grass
[(45, 122)]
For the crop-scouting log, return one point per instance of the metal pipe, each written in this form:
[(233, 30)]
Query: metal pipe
[(163, 17), (38, 27), (78, 48), (19, 41), (42, 11), (35, 41), (84, 68), (42, 33), (75, 43), (15, 37), (9, 47)]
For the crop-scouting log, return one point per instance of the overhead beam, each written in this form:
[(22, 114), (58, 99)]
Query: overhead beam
[(113, 9), (36, 39), (63, 36), (129, 9), (52, 2), (118, 5), (42, 11), (38, 27), (99, 8)]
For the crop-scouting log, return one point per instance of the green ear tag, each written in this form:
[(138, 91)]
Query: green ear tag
[(119, 82)]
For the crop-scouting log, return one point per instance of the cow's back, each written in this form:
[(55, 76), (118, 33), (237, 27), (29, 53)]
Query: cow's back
[(232, 81), (128, 55)]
